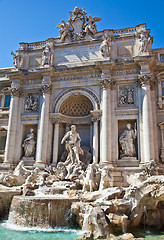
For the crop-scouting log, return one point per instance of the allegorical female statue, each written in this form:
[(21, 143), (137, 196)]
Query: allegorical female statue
[(29, 144), (126, 141)]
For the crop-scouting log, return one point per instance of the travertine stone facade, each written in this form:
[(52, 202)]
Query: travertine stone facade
[(99, 81)]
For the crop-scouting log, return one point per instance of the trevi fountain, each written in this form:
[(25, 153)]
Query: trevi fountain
[(82, 135)]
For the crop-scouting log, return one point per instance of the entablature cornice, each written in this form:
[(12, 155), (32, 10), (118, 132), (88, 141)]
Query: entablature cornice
[(30, 117), (60, 118), (81, 74), (128, 111)]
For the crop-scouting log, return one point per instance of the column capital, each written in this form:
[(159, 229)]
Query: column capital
[(56, 120), (15, 92), (145, 80), (46, 88), (107, 83), (95, 119)]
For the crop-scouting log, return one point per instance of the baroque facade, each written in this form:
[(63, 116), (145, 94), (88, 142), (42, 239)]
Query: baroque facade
[(110, 84)]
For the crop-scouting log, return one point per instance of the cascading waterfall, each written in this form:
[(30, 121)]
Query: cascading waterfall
[(45, 212)]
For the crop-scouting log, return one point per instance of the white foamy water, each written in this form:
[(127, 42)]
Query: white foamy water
[(39, 229)]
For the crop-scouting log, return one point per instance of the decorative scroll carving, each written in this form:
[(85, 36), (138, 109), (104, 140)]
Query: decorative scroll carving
[(105, 46), (78, 27), (46, 88), (126, 96), (31, 103), (15, 92)]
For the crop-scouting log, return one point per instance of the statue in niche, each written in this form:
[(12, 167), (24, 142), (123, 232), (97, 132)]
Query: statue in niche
[(90, 28), (29, 144), (105, 46), (144, 42), (126, 141), (46, 56), (31, 103), (72, 140)]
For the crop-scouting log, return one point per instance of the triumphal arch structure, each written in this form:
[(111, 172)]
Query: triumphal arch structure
[(109, 84)]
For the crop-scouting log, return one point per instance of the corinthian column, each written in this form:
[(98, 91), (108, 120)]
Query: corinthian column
[(95, 139), (12, 127), (42, 137), (56, 142), (106, 122), (145, 81)]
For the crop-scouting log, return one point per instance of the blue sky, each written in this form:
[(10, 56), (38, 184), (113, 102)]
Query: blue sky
[(35, 20)]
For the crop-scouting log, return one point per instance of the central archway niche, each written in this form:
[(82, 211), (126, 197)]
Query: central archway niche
[(75, 107)]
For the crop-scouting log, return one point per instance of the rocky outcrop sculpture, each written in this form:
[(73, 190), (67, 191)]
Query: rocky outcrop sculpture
[(17, 178), (91, 178)]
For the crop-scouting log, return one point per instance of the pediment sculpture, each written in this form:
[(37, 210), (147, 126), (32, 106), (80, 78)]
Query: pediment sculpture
[(78, 27)]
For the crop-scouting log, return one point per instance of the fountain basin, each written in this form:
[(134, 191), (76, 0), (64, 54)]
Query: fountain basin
[(44, 212)]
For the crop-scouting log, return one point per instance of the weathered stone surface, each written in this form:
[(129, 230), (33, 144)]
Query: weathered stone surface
[(6, 195), (41, 211)]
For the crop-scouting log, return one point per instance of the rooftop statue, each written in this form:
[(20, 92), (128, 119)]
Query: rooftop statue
[(144, 43), (65, 29), (78, 27), (46, 55), (90, 28), (17, 60), (105, 46)]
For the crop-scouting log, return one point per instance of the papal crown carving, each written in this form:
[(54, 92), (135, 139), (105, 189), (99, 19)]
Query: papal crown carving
[(78, 27)]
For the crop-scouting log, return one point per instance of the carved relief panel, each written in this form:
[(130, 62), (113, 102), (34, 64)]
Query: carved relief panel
[(31, 103), (126, 96)]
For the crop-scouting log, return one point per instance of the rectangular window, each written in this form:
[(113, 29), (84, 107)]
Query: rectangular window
[(2, 142), (163, 88), (7, 100), (162, 57)]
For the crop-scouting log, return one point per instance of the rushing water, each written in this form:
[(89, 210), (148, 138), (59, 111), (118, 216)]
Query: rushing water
[(13, 232)]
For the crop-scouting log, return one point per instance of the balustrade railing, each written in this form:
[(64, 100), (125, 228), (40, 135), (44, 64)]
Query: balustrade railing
[(129, 31)]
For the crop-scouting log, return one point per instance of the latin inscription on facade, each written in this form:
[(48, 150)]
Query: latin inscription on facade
[(81, 54)]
